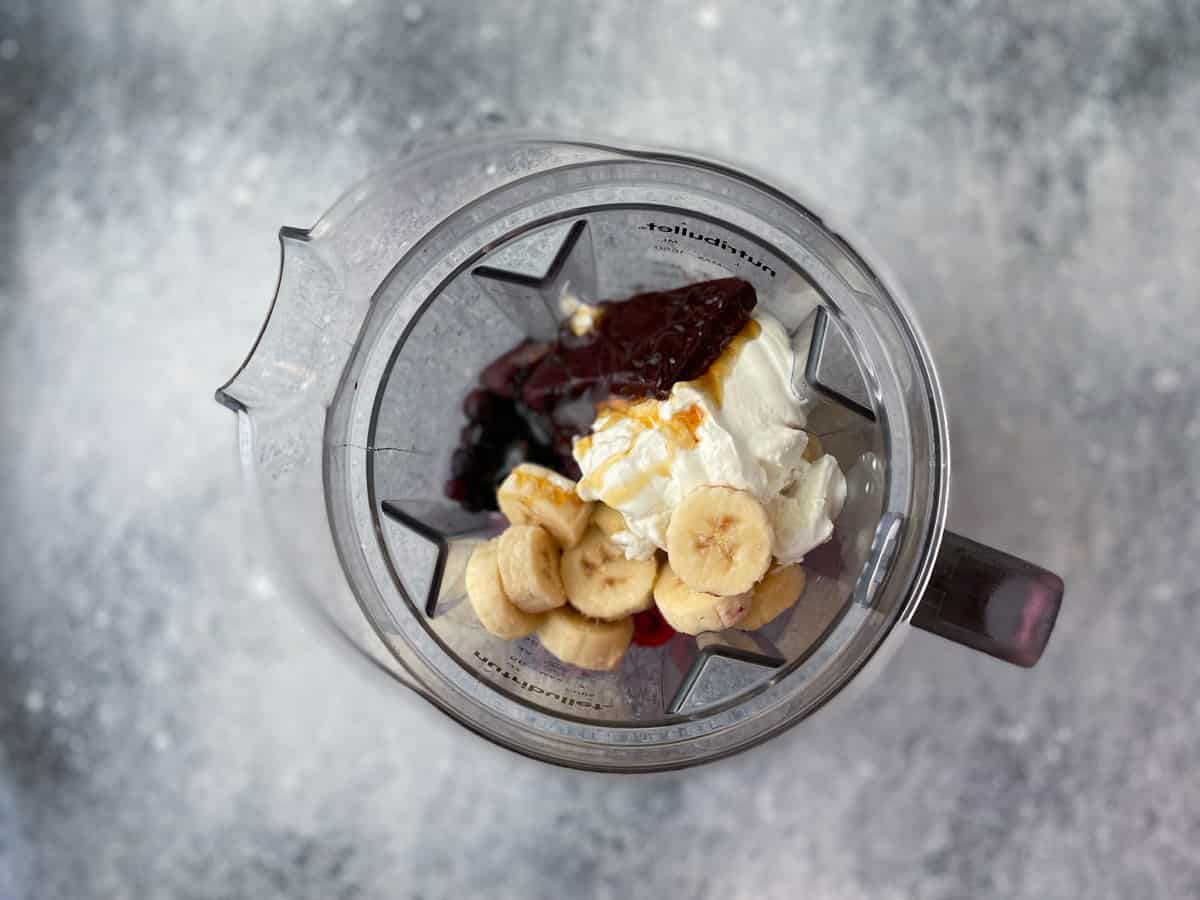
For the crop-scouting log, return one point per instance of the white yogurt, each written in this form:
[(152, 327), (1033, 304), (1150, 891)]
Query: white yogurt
[(741, 425)]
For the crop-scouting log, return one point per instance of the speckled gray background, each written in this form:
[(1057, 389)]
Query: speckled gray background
[(170, 728)]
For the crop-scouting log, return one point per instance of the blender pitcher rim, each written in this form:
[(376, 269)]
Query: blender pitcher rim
[(849, 241)]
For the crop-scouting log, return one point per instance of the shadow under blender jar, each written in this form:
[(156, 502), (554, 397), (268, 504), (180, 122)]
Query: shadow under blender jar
[(349, 408)]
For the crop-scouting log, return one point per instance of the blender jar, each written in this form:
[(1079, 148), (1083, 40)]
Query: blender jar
[(349, 408)]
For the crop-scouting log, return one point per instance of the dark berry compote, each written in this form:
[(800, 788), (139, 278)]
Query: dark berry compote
[(532, 401)]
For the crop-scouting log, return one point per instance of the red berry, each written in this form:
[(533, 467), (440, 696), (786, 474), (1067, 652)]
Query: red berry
[(650, 629)]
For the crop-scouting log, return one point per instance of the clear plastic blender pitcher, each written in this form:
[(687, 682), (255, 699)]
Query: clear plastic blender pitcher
[(349, 408)]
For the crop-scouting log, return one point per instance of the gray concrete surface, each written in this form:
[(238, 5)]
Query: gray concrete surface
[(169, 728)]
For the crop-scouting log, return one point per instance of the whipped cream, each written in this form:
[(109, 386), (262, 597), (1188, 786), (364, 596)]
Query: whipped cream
[(740, 425)]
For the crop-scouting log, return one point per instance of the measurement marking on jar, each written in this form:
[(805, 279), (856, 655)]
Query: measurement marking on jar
[(683, 230)]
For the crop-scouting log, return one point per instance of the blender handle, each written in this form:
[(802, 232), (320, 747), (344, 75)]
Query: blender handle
[(990, 601)]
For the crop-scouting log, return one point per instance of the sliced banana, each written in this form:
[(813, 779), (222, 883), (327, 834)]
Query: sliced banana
[(529, 568), (495, 611), (607, 519), (600, 582), (535, 495), (694, 612), (584, 642), (777, 592), (719, 540)]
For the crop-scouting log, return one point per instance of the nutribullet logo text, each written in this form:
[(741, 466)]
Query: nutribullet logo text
[(533, 688), (683, 231)]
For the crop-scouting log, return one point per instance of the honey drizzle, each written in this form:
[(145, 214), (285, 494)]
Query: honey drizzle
[(544, 488), (596, 478), (625, 492), (680, 430), (712, 382)]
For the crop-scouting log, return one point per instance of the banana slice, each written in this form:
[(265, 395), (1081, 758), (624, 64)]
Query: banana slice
[(601, 583), (529, 561), (694, 612), (607, 519), (495, 611), (719, 540), (777, 592), (584, 642), (535, 495)]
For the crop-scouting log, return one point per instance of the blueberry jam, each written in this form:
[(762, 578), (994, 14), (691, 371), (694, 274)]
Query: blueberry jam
[(532, 401)]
